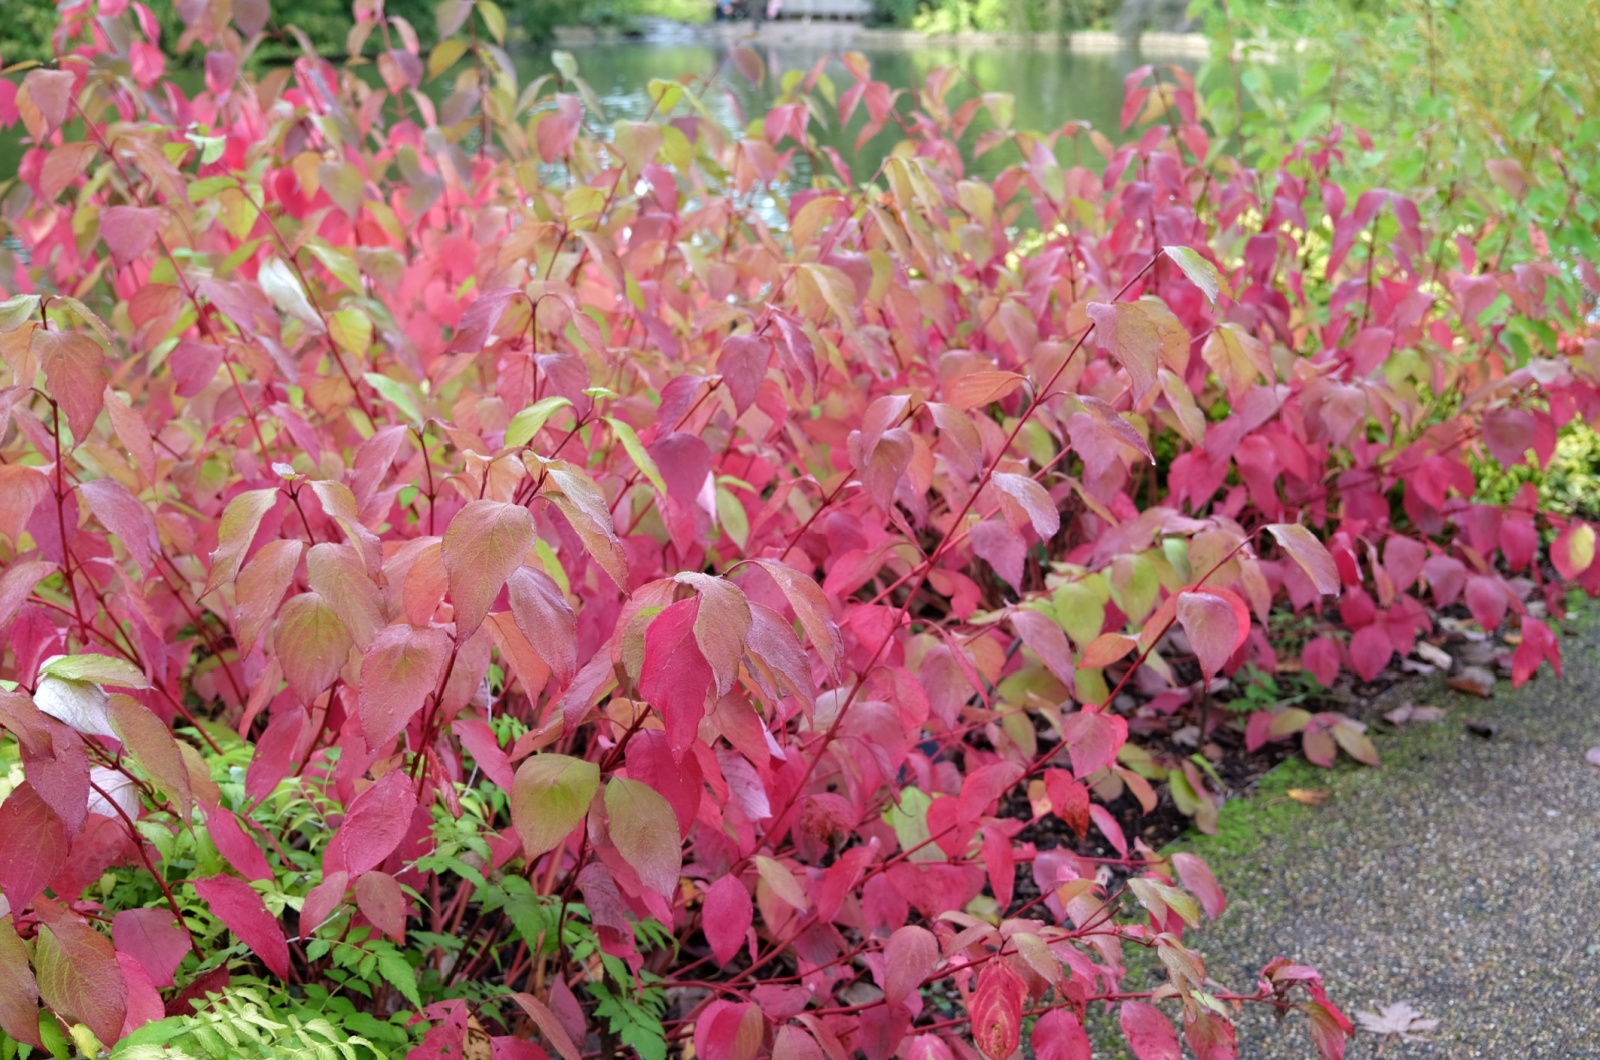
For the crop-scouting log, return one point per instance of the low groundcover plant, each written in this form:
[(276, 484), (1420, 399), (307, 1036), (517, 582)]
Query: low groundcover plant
[(485, 581)]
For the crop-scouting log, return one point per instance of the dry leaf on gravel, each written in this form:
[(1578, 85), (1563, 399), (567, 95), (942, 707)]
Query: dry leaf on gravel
[(1437, 656), (1593, 756), (1399, 1019), (1474, 679), (1410, 712), (1309, 796)]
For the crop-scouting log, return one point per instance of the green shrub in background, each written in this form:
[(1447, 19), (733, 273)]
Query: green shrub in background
[(26, 27), (1571, 484)]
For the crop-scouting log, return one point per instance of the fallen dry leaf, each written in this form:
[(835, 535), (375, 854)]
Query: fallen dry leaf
[(1309, 796), (1474, 679), (1409, 712), (1400, 1019), (1593, 756), (1437, 656)]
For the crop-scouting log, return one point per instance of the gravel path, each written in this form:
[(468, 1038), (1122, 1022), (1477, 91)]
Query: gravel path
[(1461, 877)]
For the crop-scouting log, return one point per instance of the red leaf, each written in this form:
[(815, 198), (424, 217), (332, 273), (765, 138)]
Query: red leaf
[(322, 900), (129, 231), (675, 678), (154, 939), (237, 905), (21, 490), (1109, 828), (19, 993), (75, 369), (1573, 552), (400, 670), (1211, 1037), (236, 848), (377, 820), (726, 917), (79, 977), (1093, 739), (1213, 628), (721, 626), (1059, 1036), (1310, 553), (1321, 659), (1538, 644), (33, 846), (380, 899), (486, 542), (1149, 1033), (645, 832), (1069, 800), (548, 1025), (1330, 1030), (1370, 650), (996, 1010)]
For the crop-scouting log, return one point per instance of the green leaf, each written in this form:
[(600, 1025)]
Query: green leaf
[(101, 669), (494, 19), (549, 797), (527, 423), (398, 394), (565, 64), (399, 974), (638, 453), (1201, 272)]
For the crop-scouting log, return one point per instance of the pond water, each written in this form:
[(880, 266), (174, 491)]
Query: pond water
[(1049, 86)]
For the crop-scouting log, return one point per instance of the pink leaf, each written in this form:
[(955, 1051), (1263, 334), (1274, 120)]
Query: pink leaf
[(1035, 500), (726, 917), (1149, 1033), (377, 820), (399, 671), (996, 1010), (909, 957), (1128, 334), (129, 231), (237, 905), (1213, 628), (380, 899), (154, 939), (1312, 556), (1093, 739), (1198, 881), (75, 369), (1043, 636), (1059, 1036), (546, 619), (1211, 1037), (485, 543), (33, 846)]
